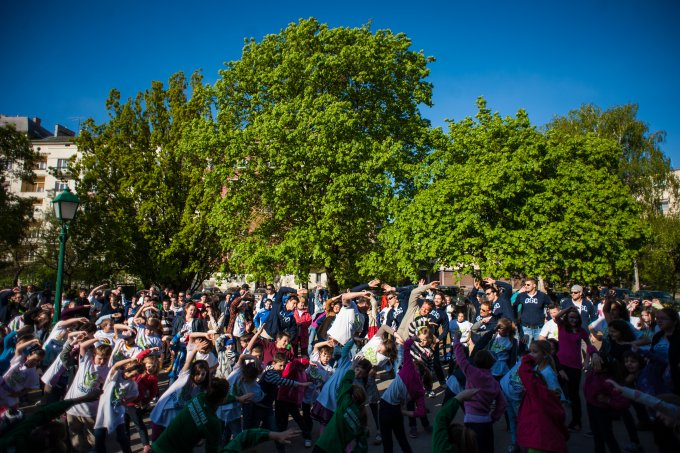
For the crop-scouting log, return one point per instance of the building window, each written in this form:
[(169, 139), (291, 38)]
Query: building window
[(37, 186), (665, 206), (41, 163), (60, 186), (62, 164)]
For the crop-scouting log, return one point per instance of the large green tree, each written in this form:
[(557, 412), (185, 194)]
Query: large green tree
[(641, 165), (318, 131), (499, 195), (17, 159), (660, 260), (141, 183)]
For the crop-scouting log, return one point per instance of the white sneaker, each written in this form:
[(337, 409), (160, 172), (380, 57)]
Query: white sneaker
[(308, 443)]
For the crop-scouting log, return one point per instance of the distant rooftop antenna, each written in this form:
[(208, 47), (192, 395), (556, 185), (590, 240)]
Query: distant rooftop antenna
[(79, 119)]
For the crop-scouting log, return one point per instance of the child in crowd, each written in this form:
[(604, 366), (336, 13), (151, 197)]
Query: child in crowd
[(513, 387), (22, 375), (263, 411), (347, 428), (571, 335), (318, 372), (270, 348), (92, 371), (119, 388), (289, 399), (124, 344), (303, 320), (549, 330), (244, 387), (147, 386), (487, 406), (193, 378), (541, 417), (406, 386), (226, 355), (105, 332), (448, 437), (503, 346)]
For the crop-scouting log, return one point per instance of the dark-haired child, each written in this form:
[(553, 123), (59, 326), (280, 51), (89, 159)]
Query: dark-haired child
[(488, 405)]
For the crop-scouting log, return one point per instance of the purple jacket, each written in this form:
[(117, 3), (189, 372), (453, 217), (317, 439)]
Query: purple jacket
[(489, 389)]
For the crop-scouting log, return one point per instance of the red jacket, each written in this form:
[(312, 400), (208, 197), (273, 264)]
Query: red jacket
[(294, 370), (303, 321), (540, 419)]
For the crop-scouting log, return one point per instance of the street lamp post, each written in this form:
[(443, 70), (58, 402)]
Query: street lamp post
[(65, 206)]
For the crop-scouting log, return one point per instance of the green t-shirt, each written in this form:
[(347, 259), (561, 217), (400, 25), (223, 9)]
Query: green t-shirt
[(247, 439), (195, 422), (440, 434), (345, 425)]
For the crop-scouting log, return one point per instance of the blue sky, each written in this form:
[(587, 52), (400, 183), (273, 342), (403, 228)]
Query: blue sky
[(61, 59)]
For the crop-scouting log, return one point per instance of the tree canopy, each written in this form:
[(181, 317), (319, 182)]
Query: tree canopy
[(144, 202), (17, 159), (310, 153), (319, 130), (499, 195)]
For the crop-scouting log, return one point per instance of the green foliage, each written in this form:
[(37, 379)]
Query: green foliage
[(660, 259), (499, 195), (642, 165), (17, 159), (144, 204), (319, 131)]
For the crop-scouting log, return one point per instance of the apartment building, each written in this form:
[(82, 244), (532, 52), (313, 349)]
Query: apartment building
[(55, 149)]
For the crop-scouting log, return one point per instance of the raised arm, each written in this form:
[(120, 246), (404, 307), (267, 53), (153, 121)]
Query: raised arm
[(94, 290), (253, 340), (190, 357)]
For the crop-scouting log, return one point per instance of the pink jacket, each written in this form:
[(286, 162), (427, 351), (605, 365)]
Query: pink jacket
[(411, 378), (294, 370), (489, 389), (569, 353), (540, 420)]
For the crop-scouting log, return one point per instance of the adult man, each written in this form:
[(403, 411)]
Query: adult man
[(484, 322), (439, 320), (532, 304), (395, 313), (584, 306), (498, 295), (33, 298)]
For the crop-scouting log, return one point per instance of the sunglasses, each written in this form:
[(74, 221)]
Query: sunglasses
[(576, 292)]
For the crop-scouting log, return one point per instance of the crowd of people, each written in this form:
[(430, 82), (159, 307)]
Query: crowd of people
[(240, 365)]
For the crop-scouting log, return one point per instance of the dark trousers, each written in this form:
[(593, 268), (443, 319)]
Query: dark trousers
[(484, 434), (601, 426), (412, 422), (284, 409), (438, 369), (121, 437), (307, 417), (255, 416), (572, 388), (392, 421), (136, 416)]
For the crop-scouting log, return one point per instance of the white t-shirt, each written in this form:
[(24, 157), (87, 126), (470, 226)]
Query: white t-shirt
[(465, 328), (346, 323), (17, 378), (145, 341), (549, 330), (117, 391), (54, 343), (370, 352), (208, 357), (174, 399), (88, 379), (105, 337), (54, 371), (121, 351)]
